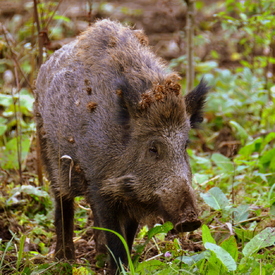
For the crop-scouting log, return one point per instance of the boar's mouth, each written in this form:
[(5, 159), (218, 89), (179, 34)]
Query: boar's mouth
[(188, 225)]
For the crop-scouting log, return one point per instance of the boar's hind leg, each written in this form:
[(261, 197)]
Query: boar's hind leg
[(64, 215)]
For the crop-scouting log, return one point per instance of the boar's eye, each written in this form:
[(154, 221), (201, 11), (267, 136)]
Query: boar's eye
[(154, 149)]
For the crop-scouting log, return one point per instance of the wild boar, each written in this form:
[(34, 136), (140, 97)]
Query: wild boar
[(113, 126)]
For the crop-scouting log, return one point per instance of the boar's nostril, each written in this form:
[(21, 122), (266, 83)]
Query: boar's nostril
[(187, 225)]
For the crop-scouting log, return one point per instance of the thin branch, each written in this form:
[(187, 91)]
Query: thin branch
[(18, 125), (14, 57), (190, 72), (90, 12), (40, 38), (50, 19)]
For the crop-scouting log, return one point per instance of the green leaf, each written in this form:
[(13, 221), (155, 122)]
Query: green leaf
[(9, 154), (21, 251), (243, 16), (190, 260), (148, 267), (165, 228), (272, 211), (215, 198), (223, 256), (223, 162), (33, 190), (264, 239), (251, 147), (243, 234), (240, 131), (206, 235), (230, 245), (269, 137), (26, 102), (202, 162), (268, 159), (6, 100), (241, 213), (3, 129), (62, 18), (207, 66)]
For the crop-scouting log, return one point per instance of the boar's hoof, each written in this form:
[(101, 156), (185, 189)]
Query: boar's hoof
[(187, 225)]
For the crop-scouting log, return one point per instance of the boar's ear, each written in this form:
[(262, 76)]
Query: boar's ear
[(127, 102), (194, 102)]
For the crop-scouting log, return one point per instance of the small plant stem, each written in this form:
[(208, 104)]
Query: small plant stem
[(90, 11), (18, 126), (13, 56), (40, 61), (190, 73)]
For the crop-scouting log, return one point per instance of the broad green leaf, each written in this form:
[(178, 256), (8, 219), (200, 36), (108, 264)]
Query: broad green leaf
[(268, 159), (214, 266), (3, 129), (62, 18), (243, 16), (165, 228), (222, 255), (243, 234), (241, 213), (6, 100), (240, 131), (3, 120), (230, 245), (271, 196), (200, 178), (272, 211), (33, 190), (202, 162), (206, 235), (223, 162), (264, 239), (215, 198), (269, 137), (82, 271), (26, 103), (149, 267), (251, 147), (190, 260), (27, 189), (9, 154), (205, 67)]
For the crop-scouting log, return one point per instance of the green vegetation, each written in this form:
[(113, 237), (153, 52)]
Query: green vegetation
[(232, 156)]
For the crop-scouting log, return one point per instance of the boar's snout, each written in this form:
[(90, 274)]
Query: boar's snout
[(188, 225), (179, 206), (189, 221)]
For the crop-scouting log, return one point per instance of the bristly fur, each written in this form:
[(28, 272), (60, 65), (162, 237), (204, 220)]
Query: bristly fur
[(195, 101)]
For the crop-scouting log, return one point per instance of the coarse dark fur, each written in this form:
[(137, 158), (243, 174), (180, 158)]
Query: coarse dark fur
[(114, 127)]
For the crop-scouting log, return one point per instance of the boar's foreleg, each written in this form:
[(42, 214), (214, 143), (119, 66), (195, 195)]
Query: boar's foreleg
[(64, 216), (109, 217)]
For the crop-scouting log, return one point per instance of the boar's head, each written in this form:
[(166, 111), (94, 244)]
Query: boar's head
[(156, 177)]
